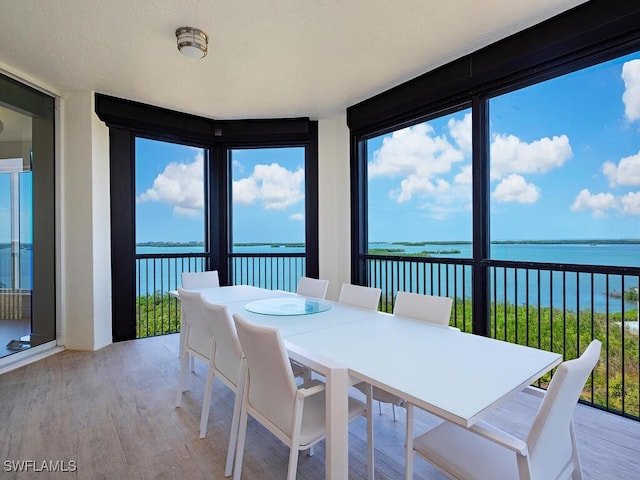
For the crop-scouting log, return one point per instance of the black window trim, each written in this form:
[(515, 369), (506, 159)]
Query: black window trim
[(589, 34), (128, 120)]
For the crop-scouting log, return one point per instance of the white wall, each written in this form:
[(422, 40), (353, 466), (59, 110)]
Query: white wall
[(334, 202), (85, 224)]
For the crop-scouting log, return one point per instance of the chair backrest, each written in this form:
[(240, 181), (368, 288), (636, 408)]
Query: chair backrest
[(272, 388), (228, 350), (359, 296), (200, 279), (200, 330), (428, 308), (313, 287), (550, 439)]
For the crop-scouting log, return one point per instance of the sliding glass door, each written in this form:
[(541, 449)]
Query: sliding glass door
[(27, 274)]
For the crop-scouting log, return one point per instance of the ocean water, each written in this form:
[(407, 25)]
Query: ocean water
[(571, 290), (25, 268)]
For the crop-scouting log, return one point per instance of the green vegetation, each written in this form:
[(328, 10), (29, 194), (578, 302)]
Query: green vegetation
[(563, 332), (402, 252), (157, 315), (170, 244), (201, 244), (630, 295)]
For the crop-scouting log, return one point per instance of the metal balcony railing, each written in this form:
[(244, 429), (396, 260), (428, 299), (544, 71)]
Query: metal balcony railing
[(554, 307), (157, 313)]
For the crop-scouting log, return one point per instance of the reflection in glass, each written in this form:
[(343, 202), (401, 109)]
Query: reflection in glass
[(16, 242)]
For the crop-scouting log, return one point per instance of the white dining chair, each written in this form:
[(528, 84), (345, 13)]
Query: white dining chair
[(207, 279), (312, 287), (427, 308), (191, 280), (484, 451), (294, 414), (200, 344), (213, 339), (359, 296)]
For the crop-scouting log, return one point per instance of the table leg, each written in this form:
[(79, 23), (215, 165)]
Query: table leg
[(337, 441)]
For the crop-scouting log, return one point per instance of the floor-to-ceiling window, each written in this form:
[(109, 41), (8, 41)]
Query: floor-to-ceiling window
[(418, 206), (553, 170), (170, 228), (27, 274), (191, 193)]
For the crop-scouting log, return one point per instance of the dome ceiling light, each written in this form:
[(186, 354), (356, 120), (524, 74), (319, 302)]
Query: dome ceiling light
[(192, 42)]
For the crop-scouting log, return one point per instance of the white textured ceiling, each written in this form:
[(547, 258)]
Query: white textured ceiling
[(267, 58)]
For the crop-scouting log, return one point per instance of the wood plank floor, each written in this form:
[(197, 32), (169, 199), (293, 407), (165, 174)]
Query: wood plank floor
[(112, 412)]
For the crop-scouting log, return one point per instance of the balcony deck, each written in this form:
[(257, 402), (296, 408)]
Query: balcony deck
[(112, 412)]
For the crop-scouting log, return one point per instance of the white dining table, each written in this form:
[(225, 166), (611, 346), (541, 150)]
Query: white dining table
[(458, 376)]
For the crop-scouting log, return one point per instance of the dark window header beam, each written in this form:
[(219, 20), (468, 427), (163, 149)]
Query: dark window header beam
[(579, 34), (173, 125)]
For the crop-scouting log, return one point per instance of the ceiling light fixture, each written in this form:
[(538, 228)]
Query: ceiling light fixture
[(192, 42)]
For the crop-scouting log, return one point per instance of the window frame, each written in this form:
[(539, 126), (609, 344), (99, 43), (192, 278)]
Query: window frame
[(128, 120), (586, 35)]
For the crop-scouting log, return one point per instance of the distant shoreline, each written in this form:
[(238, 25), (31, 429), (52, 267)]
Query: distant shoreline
[(410, 244)]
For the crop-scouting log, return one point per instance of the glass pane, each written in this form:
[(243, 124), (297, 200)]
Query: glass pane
[(26, 142), (419, 189), (268, 217), (268, 199), (565, 168), (169, 197), (170, 227)]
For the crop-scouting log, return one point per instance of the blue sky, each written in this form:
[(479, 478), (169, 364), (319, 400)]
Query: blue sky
[(565, 164), (267, 187)]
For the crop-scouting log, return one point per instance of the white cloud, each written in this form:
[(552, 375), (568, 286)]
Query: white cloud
[(627, 172), (415, 185), (277, 187), (598, 203), (465, 177), (631, 203), (509, 154), (515, 188), (631, 95), (414, 151), (460, 131), (181, 186), (298, 217), (419, 156)]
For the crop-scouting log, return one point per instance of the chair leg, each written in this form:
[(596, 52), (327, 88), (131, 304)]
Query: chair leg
[(193, 364), (577, 468), (408, 454), (242, 432), (206, 401), (370, 443), (393, 409), (235, 423), (294, 444), (183, 334), (183, 371), (379, 408), (293, 463)]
